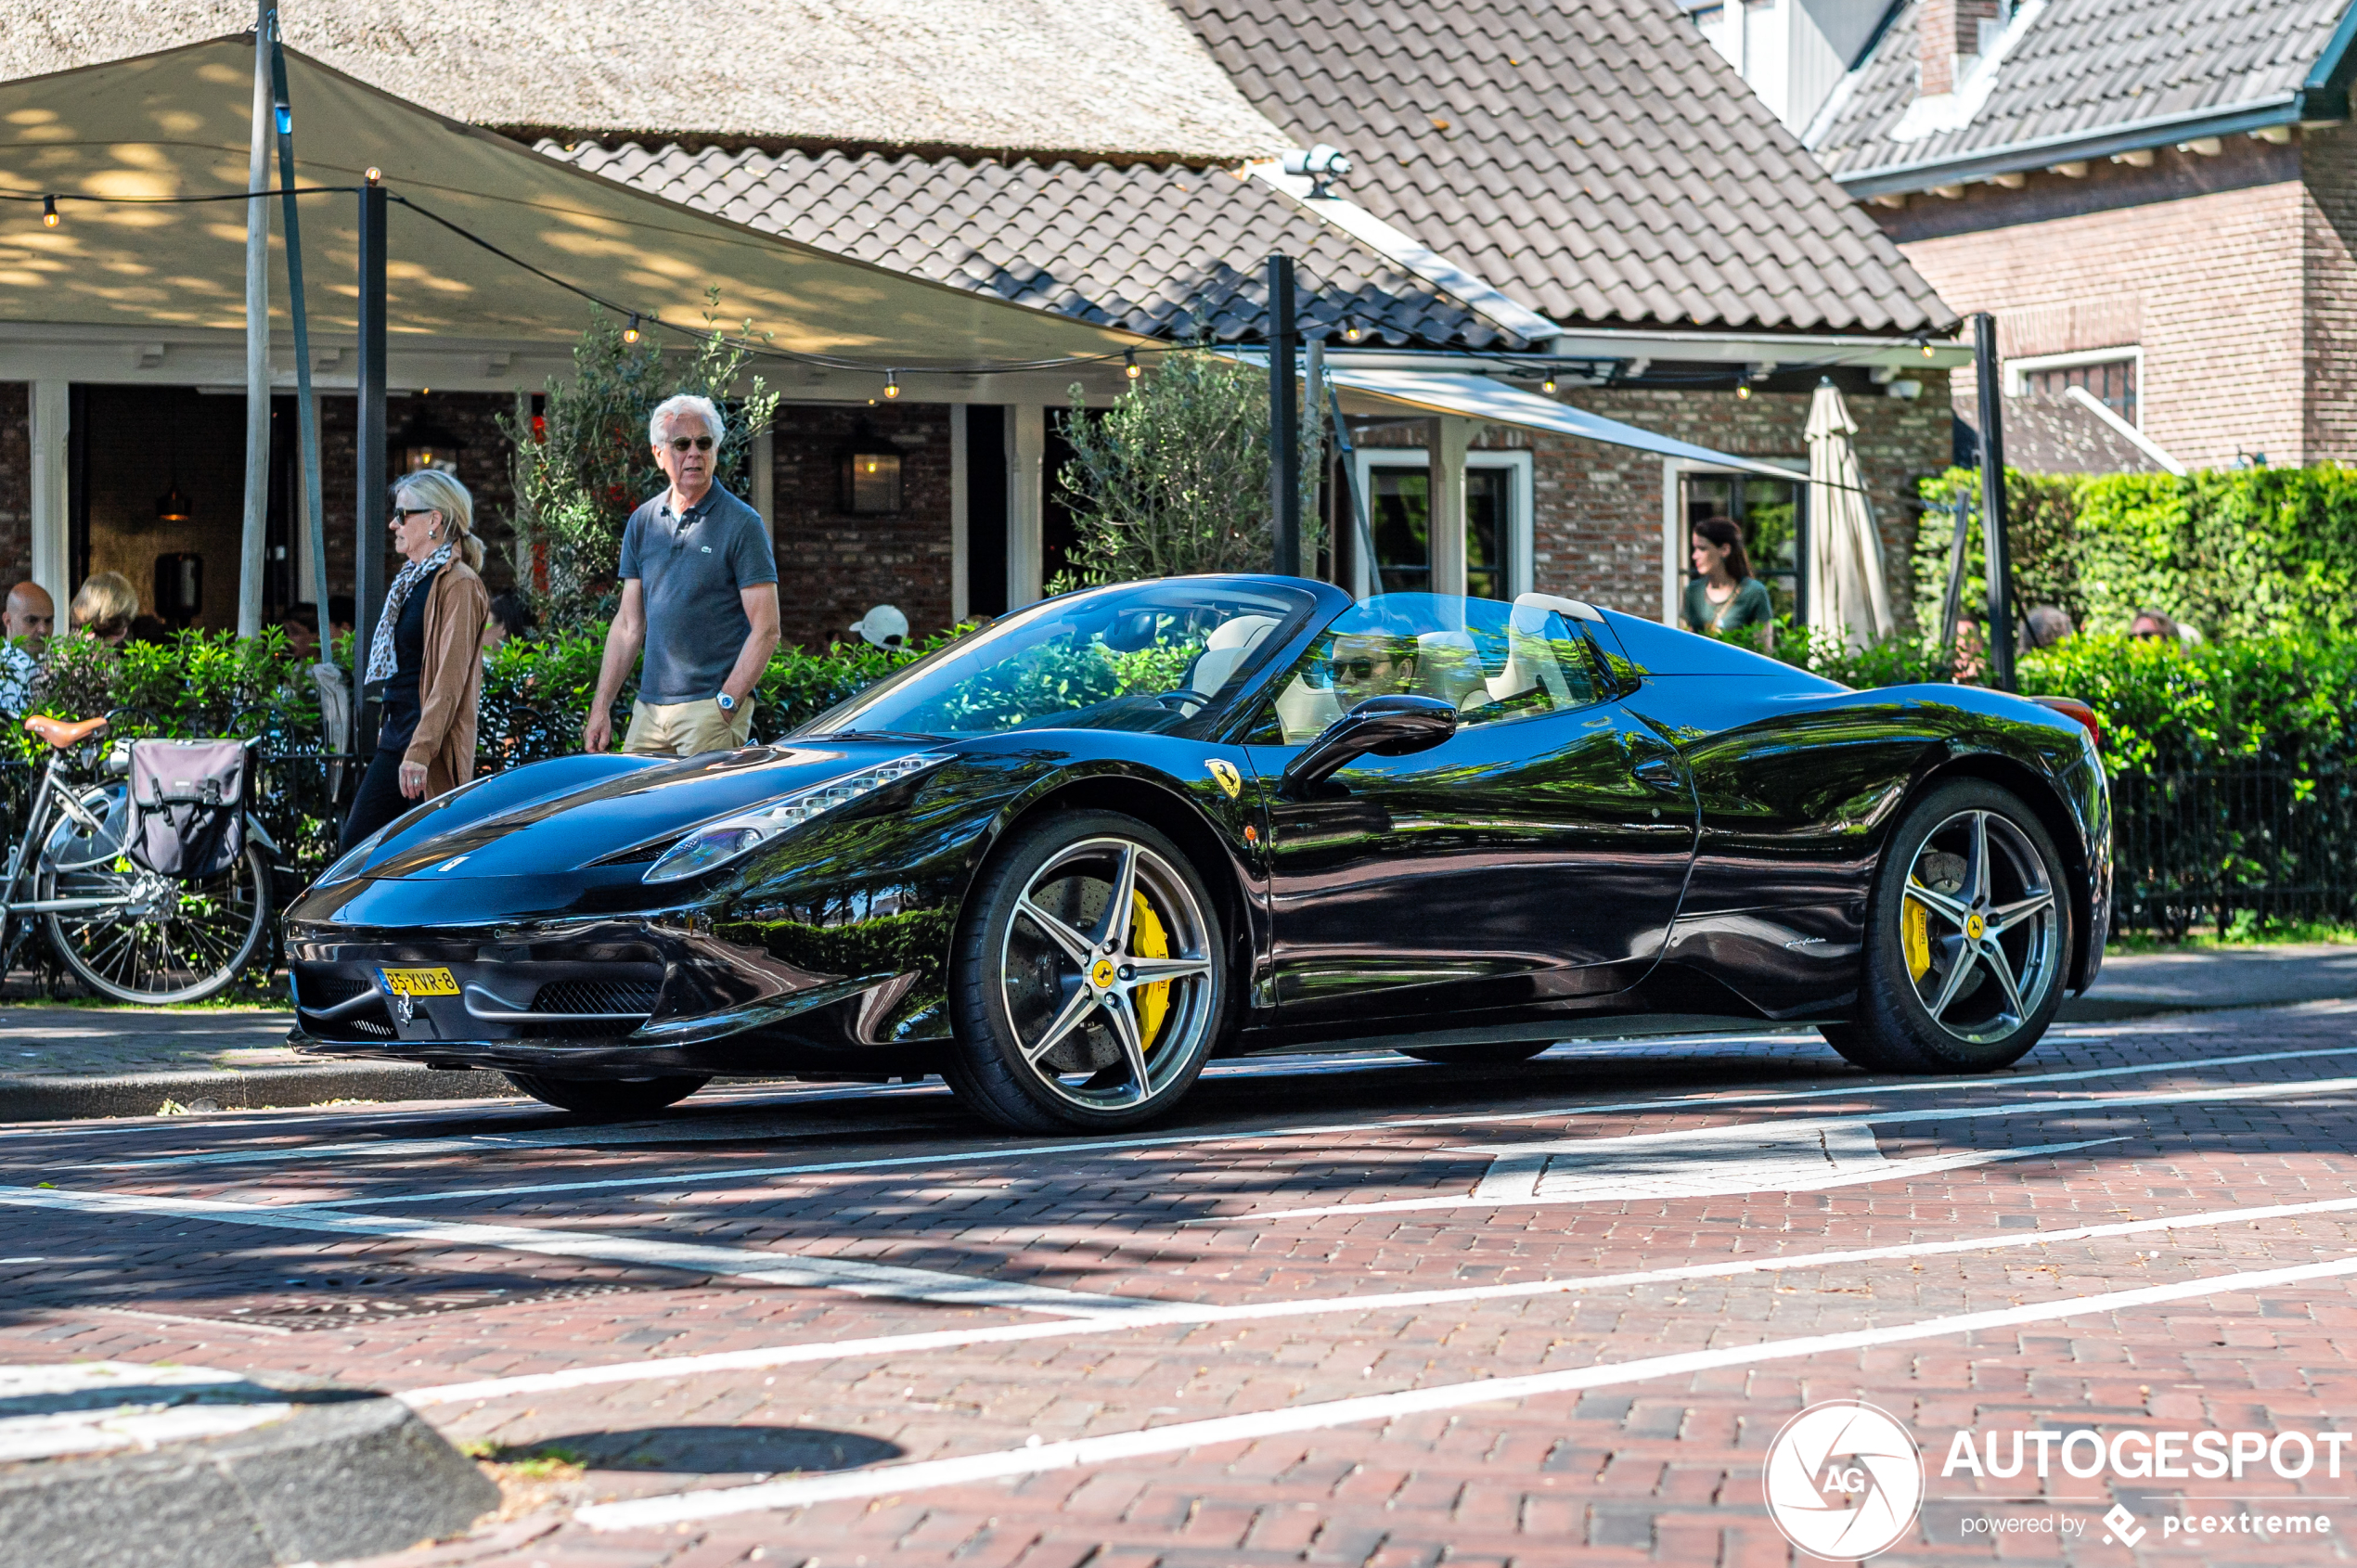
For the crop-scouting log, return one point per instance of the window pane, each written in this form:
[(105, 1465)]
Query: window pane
[(2113, 382), (1402, 503), (1492, 661), (1487, 493)]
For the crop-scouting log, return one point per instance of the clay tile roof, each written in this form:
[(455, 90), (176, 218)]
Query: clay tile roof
[(2085, 69), (1172, 252), (1121, 78), (1593, 157)]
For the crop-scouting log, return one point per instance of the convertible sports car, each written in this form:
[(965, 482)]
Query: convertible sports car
[(1065, 860)]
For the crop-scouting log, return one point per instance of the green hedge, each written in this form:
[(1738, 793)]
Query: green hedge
[(2237, 554)]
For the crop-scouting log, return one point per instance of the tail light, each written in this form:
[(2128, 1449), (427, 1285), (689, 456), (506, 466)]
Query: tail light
[(2071, 707)]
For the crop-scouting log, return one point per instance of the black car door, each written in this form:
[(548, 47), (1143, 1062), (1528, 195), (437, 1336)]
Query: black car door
[(1538, 853)]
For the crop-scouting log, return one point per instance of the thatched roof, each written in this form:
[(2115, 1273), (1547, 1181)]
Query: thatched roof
[(1123, 79)]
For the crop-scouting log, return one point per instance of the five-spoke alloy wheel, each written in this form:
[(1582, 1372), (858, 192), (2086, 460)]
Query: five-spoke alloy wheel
[(1968, 938), (1089, 984)]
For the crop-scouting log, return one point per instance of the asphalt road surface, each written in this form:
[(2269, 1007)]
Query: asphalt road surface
[(1351, 1310)]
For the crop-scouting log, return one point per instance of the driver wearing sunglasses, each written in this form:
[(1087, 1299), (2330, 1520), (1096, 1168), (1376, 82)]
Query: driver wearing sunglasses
[(1364, 664)]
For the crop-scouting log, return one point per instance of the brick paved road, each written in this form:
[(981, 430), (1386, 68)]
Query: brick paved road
[(1348, 1311)]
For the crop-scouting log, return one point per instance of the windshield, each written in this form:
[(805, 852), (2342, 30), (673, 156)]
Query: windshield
[(1137, 656)]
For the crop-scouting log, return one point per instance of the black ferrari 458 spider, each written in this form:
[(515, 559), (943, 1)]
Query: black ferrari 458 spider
[(1067, 859)]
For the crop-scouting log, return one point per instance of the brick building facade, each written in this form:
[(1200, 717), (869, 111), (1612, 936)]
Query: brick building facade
[(2168, 230)]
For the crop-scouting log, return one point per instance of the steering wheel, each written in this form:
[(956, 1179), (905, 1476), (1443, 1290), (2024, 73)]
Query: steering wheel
[(1181, 698)]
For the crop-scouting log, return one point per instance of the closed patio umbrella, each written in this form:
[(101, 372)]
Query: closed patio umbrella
[(1847, 593)]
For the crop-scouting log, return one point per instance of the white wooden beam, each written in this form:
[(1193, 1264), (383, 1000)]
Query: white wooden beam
[(52, 417), (1027, 458)]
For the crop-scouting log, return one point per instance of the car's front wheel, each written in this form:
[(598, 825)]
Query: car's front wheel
[(1968, 938), (609, 1097), (1088, 985)]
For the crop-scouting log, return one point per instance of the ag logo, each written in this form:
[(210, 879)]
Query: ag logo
[(1843, 1480), (1225, 773)]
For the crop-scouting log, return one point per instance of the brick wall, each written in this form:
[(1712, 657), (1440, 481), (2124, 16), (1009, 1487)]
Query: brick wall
[(16, 483), (2328, 160), (832, 567), (1598, 523), (473, 419), (1596, 528), (2200, 261)]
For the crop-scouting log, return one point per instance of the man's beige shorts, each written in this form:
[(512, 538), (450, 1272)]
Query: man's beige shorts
[(686, 729)]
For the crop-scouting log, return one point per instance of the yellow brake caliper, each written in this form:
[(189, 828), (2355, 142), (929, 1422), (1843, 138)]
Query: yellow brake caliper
[(1148, 940), (1915, 935)]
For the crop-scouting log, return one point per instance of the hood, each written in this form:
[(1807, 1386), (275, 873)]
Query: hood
[(650, 806)]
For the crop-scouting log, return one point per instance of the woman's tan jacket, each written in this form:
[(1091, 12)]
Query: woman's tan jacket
[(450, 678)]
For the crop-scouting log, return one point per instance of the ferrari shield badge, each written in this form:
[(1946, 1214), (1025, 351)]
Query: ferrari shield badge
[(1225, 773)]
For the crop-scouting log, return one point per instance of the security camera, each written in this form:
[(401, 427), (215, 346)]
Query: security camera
[(1322, 164)]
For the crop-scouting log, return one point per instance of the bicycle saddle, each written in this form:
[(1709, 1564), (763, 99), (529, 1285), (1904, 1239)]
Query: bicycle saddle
[(59, 734)]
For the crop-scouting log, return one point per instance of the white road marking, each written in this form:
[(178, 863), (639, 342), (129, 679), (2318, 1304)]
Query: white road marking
[(707, 1175), (1788, 1132), (1160, 1314), (899, 1479), (857, 1277), (1774, 1160)]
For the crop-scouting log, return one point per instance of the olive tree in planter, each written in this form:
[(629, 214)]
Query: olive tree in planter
[(1173, 477), (583, 465)]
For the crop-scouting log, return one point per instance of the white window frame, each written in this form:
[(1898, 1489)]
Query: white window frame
[(2128, 354), (1673, 522), (1521, 498)]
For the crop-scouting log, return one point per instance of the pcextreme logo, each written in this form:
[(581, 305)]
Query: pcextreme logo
[(1844, 1480)]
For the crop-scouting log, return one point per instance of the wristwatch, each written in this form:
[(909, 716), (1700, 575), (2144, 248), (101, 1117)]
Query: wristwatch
[(727, 703)]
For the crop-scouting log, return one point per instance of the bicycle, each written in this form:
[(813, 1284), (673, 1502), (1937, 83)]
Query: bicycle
[(126, 931)]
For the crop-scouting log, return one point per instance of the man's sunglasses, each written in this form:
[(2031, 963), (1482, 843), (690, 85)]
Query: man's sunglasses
[(701, 442), (1356, 668)]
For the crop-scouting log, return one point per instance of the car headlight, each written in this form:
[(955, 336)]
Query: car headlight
[(716, 843), (347, 865)]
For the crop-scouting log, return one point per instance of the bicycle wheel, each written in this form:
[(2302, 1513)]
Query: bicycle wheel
[(173, 939)]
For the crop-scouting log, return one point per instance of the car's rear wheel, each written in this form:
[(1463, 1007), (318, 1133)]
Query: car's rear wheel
[(1489, 1053), (609, 1097), (1968, 938), (1088, 987)]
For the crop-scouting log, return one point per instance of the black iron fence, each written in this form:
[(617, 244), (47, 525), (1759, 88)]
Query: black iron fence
[(2196, 846)]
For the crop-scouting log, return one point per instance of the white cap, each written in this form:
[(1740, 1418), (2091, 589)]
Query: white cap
[(883, 625)]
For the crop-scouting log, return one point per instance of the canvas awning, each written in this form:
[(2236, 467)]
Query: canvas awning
[(1479, 397), (175, 124)]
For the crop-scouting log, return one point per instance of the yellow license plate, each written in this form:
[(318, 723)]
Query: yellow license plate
[(421, 983)]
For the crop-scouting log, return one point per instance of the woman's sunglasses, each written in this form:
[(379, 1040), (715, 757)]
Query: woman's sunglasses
[(701, 442)]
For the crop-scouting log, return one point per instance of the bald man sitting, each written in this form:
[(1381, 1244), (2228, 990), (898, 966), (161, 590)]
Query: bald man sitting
[(29, 619)]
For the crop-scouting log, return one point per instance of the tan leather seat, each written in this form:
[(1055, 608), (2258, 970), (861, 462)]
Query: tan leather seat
[(60, 734)]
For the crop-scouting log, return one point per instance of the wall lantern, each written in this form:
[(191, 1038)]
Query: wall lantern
[(870, 474), (172, 506), (420, 445)]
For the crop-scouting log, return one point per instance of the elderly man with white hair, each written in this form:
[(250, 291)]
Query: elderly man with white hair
[(698, 592)]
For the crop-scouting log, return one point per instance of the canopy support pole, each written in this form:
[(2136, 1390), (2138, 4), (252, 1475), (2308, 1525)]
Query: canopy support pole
[(1986, 369), (368, 511), (313, 521), (1284, 422), (253, 552)]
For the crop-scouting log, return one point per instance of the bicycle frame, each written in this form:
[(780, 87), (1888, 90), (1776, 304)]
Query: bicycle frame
[(24, 862)]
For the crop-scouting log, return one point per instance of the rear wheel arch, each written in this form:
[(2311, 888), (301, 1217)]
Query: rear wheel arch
[(2036, 791)]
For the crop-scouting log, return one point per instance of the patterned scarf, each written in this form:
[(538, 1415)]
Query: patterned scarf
[(380, 656)]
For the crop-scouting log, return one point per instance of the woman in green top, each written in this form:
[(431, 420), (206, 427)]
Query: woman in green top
[(1724, 595)]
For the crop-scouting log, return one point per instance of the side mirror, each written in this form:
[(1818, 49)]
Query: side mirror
[(1387, 727)]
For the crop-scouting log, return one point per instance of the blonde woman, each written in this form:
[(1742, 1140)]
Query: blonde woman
[(106, 607), (426, 655)]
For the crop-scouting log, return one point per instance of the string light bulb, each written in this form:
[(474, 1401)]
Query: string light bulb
[(1352, 332), (1130, 366), (1548, 386), (373, 174), (630, 333), (892, 383), (48, 212), (1744, 391), (1927, 354)]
